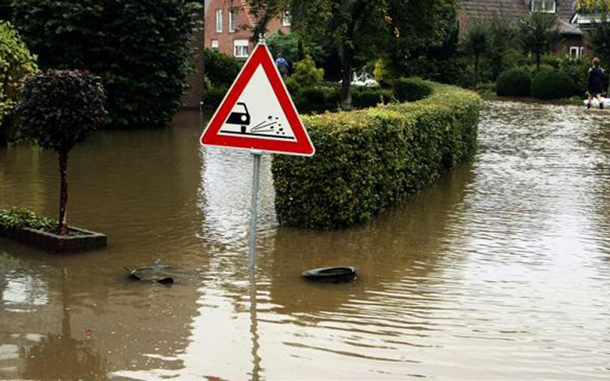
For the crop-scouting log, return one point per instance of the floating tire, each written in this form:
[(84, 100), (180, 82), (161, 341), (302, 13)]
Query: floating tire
[(331, 274)]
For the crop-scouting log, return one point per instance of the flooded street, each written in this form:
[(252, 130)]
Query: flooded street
[(499, 271)]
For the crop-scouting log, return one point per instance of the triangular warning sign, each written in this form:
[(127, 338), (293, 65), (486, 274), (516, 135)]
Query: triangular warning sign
[(257, 112)]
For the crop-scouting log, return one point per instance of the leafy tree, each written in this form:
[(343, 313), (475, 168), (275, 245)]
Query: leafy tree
[(16, 64), (476, 42), (284, 45), (362, 29), (538, 33), (60, 109), (599, 38), (140, 49)]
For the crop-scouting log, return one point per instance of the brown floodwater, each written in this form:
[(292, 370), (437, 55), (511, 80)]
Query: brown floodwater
[(500, 270)]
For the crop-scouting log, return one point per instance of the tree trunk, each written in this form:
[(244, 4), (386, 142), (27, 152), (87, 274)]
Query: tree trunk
[(63, 194), (476, 71), (347, 55)]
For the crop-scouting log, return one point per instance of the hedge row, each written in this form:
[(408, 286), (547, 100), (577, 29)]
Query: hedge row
[(545, 84), (369, 159)]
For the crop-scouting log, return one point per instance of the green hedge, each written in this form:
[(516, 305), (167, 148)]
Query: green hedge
[(514, 82), (553, 85), (411, 89), (369, 159)]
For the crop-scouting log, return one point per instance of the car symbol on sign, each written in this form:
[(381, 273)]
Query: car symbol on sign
[(240, 118)]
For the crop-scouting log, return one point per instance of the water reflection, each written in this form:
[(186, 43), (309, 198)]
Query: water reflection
[(498, 271)]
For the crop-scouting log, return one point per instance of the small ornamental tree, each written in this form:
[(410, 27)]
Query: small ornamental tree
[(60, 109), (475, 43), (538, 33)]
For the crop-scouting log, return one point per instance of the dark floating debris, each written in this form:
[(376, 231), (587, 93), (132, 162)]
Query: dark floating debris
[(159, 273), (331, 274)]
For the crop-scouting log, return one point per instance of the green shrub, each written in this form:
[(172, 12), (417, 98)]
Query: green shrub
[(369, 159), (305, 75), (411, 89), (553, 85), (514, 82), (532, 70), (60, 109), (23, 218), (383, 72), (220, 68), (140, 48), (214, 96), (16, 63), (366, 97), (578, 70)]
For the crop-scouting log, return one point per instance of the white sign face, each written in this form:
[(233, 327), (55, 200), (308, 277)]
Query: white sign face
[(257, 113)]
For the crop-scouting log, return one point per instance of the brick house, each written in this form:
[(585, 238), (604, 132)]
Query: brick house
[(228, 23), (572, 37)]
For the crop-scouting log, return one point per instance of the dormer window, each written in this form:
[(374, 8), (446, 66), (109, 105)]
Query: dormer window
[(544, 6)]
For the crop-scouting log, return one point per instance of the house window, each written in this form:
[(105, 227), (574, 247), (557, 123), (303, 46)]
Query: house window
[(544, 6), (215, 45), (233, 20), (241, 48), (286, 18), (576, 51), (219, 20)]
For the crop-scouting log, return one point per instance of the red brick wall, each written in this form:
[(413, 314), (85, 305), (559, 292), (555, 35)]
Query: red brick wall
[(225, 38)]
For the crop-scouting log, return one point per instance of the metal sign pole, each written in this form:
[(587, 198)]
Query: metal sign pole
[(254, 210)]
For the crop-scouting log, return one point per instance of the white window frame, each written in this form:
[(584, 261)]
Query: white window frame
[(542, 3), (576, 51), (286, 19), (215, 45), (238, 48), (232, 20), (219, 20)]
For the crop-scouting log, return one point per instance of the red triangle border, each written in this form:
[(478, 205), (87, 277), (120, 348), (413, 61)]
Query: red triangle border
[(301, 146)]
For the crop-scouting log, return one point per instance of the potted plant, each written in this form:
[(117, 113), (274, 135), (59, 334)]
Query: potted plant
[(59, 109)]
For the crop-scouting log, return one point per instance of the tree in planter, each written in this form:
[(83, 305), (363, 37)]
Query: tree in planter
[(60, 109), (476, 42), (538, 33)]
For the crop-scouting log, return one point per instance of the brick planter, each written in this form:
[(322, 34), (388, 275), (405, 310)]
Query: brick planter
[(84, 241)]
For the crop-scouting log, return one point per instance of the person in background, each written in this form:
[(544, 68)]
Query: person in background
[(595, 83), (282, 65)]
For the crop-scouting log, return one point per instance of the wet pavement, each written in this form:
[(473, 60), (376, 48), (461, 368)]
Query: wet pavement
[(501, 270)]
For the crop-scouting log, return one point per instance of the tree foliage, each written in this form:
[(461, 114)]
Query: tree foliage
[(362, 29), (60, 109), (220, 68), (476, 43), (140, 48), (599, 39), (538, 33), (16, 64)]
